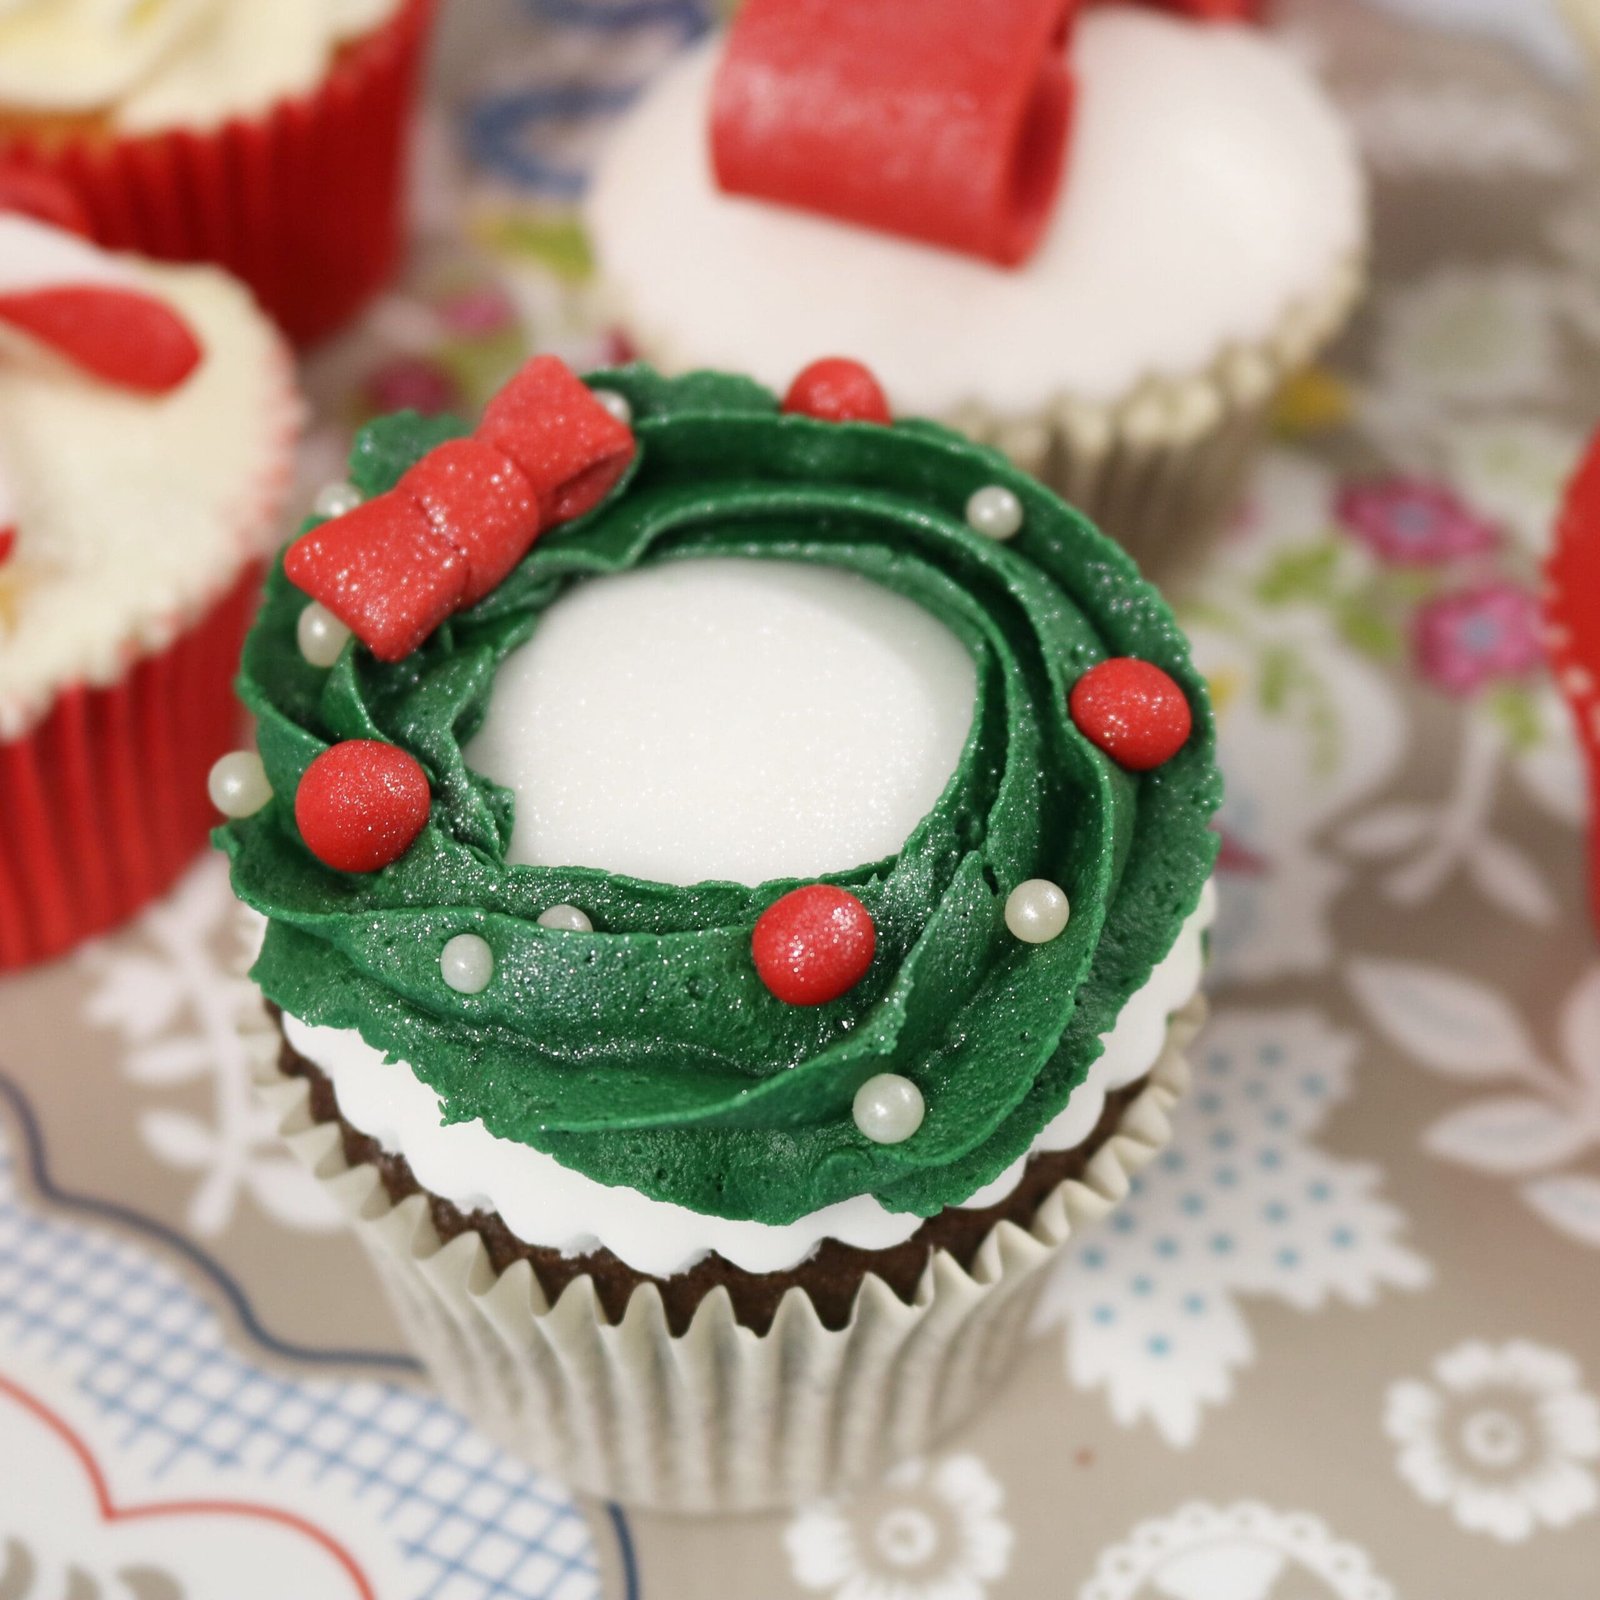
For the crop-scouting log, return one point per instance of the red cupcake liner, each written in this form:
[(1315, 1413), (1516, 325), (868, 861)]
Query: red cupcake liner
[(303, 202), (1573, 608), (104, 802)]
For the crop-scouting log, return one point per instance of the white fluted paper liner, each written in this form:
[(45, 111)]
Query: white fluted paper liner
[(719, 1418), (1161, 469)]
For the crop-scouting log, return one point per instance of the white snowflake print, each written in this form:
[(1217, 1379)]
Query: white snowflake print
[(1242, 1204), (1505, 1437), (171, 987), (1241, 1552), (1544, 1129), (933, 1531)]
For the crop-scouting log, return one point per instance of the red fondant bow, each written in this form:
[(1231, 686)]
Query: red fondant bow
[(456, 524), (943, 120), (1573, 608)]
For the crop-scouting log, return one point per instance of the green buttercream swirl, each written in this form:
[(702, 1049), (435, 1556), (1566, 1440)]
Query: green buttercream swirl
[(648, 1053)]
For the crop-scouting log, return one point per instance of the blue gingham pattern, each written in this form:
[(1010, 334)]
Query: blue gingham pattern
[(149, 1356)]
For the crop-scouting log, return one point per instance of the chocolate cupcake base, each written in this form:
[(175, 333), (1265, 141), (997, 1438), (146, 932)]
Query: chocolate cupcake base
[(719, 1390)]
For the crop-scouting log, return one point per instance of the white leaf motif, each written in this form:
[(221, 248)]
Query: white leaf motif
[(1569, 1201), (1387, 831), (1447, 1022), (177, 1138), (1508, 878), (1580, 1032), (1510, 1133)]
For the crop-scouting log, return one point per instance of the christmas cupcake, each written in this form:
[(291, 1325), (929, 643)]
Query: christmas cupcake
[(1100, 245), (721, 955), (147, 420), (268, 138)]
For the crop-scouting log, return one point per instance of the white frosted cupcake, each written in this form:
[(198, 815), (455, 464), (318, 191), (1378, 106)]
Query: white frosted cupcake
[(267, 136), (1208, 237), (722, 952), (147, 424)]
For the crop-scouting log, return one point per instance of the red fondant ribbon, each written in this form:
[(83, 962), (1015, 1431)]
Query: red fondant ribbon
[(941, 120), (456, 524), (1573, 608), (121, 335)]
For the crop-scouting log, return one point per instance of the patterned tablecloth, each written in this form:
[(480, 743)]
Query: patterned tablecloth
[(1340, 1344)]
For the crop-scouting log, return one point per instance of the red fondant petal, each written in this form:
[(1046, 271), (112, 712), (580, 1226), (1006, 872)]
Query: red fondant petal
[(569, 447), (940, 120), (478, 500), (127, 338), (384, 571)]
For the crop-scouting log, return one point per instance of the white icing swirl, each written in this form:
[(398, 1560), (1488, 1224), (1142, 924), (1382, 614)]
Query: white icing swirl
[(547, 1205), (133, 511), (1211, 189), (153, 64)]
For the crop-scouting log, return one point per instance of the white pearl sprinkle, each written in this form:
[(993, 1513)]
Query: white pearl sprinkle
[(336, 499), (888, 1108), (467, 963), (995, 512), (1037, 911), (238, 784), (321, 635), (616, 404), (569, 918)]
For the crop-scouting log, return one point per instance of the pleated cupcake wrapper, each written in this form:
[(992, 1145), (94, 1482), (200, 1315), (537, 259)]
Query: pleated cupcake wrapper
[(719, 1418), (303, 202), (104, 800), (1162, 469), (1159, 470)]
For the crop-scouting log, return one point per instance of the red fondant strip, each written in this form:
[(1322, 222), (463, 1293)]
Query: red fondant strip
[(940, 120), (383, 571), (120, 335), (42, 196), (459, 520), (1574, 616), (569, 447)]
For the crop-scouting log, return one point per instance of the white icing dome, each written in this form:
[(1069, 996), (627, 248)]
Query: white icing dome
[(726, 718), (1210, 189)]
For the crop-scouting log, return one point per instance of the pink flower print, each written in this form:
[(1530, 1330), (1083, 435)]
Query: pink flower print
[(1478, 636), (1408, 522), (412, 383), (478, 313)]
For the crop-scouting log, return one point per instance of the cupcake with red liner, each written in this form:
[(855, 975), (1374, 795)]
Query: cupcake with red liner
[(736, 877), (1572, 606), (1100, 241), (267, 138), (147, 421)]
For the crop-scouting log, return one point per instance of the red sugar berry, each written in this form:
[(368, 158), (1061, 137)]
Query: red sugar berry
[(813, 945), (8, 542), (1133, 711), (837, 390), (361, 805)]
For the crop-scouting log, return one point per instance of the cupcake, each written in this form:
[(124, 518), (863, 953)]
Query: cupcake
[(1116, 310), (267, 138), (147, 419), (722, 952)]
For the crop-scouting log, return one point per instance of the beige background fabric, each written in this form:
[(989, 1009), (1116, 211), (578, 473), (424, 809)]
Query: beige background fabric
[(1341, 1343)]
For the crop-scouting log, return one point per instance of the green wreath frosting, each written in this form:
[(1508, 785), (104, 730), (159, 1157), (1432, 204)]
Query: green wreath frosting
[(648, 1052)]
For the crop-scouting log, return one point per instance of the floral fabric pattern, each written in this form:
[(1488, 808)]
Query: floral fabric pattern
[(1504, 1437)]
